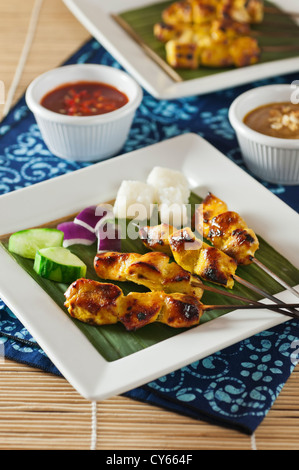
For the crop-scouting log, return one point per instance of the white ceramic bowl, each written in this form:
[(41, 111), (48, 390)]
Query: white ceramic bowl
[(84, 138), (272, 159)]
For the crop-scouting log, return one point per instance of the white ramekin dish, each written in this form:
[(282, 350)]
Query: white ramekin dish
[(84, 138), (272, 159)]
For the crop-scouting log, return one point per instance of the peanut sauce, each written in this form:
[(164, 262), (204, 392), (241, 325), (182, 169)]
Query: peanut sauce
[(84, 99), (279, 120)]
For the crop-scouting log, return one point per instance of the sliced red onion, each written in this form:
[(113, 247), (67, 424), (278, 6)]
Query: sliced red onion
[(91, 216), (109, 236), (76, 234)]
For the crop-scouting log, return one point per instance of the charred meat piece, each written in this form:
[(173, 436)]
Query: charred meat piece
[(103, 304), (244, 11), (190, 11), (185, 33), (193, 255), (203, 11), (93, 303), (225, 29), (182, 55), (156, 238), (210, 33), (238, 52), (210, 207), (226, 230), (178, 12), (201, 259), (153, 270), (244, 51)]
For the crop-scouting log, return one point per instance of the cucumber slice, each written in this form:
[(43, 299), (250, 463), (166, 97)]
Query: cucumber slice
[(59, 264), (26, 242)]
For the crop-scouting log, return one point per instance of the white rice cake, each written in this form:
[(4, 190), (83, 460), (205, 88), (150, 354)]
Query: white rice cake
[(134, 200), (173, 180)]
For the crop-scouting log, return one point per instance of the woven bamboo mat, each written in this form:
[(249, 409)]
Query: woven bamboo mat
[(40, 411)]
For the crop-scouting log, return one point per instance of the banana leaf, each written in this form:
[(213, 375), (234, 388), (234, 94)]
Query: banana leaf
[(113, 341), (141, 21)]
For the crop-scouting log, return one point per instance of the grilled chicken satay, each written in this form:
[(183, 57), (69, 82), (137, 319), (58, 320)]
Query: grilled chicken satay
[(245, 11), (192, 254), (100, 304), (220, 31), (212, 44), (190, 11), (104, 304), (156, 238), (210, 33), (226, 230), (225, 29), (153, 270), (202, 11), (237, 52)]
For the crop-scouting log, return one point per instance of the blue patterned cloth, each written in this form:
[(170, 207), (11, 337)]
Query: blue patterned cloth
[(235, 387)]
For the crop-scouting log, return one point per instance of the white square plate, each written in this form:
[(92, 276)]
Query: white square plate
[(95, 15), (206, 169)]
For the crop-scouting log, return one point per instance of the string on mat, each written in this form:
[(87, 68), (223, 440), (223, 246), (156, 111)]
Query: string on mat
[(24, 54), (253, 442), (93, 444)]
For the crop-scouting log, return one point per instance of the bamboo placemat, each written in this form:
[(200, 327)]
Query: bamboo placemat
[(42, 411)]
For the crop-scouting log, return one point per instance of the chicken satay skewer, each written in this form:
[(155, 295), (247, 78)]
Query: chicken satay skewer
[(155, 271), (98, 304), (218, 31), (195, 256), (230, 233), (200, 12)]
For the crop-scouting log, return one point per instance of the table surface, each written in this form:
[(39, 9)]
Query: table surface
[(42, 411)]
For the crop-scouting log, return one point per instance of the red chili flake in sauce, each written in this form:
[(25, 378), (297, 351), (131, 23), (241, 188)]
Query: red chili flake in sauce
[(84, 99)]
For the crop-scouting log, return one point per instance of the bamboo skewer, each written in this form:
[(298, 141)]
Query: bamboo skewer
[(275, 277), (276, 11), (276, 34), (289, 48), (280, 25), (208, 308), (279, 306), (152, 54), (260, 291)]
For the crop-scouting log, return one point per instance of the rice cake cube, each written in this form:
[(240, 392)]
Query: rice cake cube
[(169, 184), (135, 199)]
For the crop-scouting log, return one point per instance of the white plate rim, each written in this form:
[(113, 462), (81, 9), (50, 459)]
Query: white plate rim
[(78, 361), (95, 17)]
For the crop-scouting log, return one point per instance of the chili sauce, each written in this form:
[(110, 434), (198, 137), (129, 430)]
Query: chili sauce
[(84, 99)]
